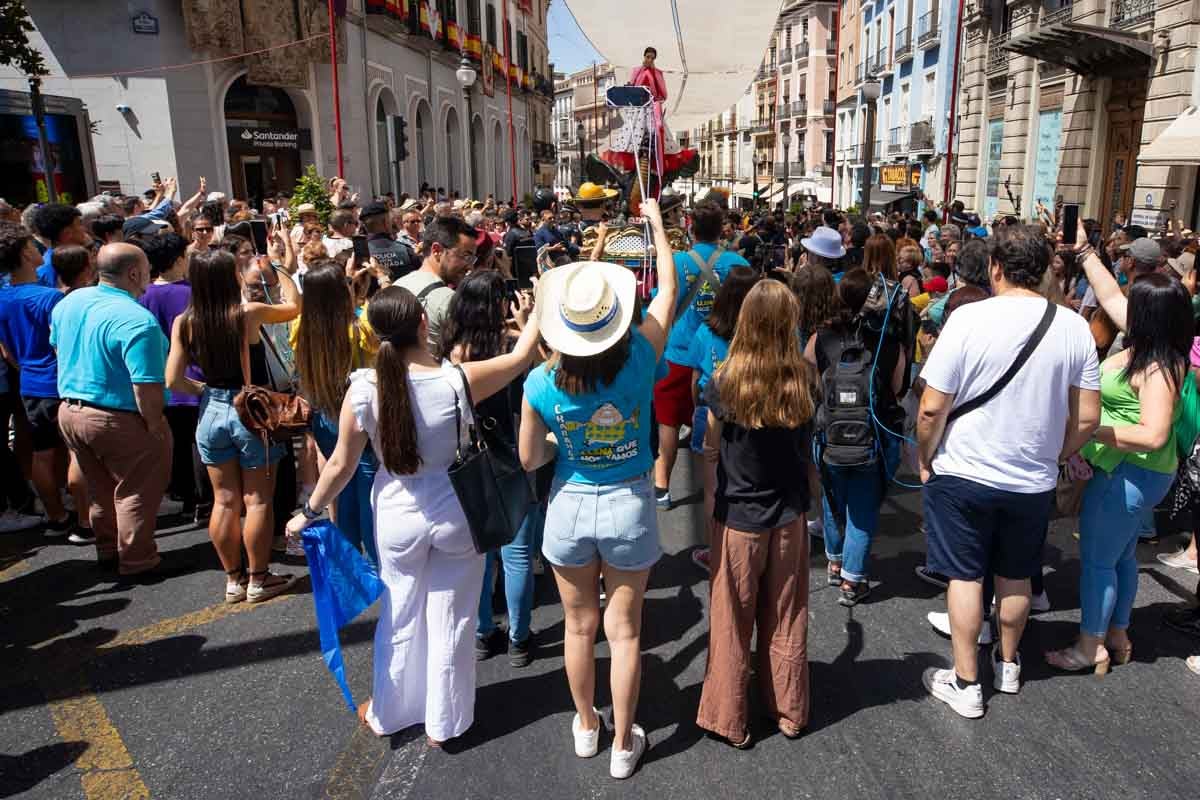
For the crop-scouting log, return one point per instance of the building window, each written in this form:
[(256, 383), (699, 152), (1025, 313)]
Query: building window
[(474, 23), (491, 25)]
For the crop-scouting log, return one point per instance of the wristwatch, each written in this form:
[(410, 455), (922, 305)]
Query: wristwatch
[(309, 514)]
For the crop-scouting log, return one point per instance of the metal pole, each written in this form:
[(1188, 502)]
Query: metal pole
[(471, 143), (337, 99), (38, 105), (754, 174), (579, 166), (512, 141), (837, 30), (868, 155), (947, 199), (787, 198)]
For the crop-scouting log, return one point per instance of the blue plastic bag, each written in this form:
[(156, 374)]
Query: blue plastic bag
[(344, 584)]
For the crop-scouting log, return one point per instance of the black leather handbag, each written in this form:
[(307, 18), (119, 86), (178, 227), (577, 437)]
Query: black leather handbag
[(489, 481)]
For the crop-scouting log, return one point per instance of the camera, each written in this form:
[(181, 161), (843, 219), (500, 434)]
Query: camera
[(122, 108)]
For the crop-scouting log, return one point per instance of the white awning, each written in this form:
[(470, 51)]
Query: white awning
[(708, 52), (1178, 145)]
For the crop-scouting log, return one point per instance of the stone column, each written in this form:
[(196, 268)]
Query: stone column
[(972, 110)]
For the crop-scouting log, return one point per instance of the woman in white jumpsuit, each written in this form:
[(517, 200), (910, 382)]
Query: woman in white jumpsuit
[(424, 669)]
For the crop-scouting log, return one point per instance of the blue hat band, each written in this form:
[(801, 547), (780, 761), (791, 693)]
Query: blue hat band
[(592, 327)]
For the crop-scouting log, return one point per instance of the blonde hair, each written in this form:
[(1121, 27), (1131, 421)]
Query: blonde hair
[(764, 382)]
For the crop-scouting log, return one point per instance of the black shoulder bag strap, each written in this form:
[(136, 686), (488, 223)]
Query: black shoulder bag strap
[(1031, 344), (421, 295)]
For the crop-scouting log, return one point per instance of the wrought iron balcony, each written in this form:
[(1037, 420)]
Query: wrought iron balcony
[(543, 150), (1061, 15), (897, 140), (883, 62), (794, 170), (927, 30), (997, 56), (764, 72), (904, 44), (785, 55), (802, 51), (763, 126), (827, 108), (920, 137), (1127, 13)]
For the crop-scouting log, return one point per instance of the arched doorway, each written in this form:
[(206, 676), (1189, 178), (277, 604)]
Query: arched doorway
[(454, 151), (499, 163), (385, 166), (264, 141), (478, 157), (424, 151)]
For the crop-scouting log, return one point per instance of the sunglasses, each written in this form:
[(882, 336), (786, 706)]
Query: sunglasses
[(202, 230)]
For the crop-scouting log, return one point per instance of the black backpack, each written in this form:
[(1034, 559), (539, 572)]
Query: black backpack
[(845, 420)]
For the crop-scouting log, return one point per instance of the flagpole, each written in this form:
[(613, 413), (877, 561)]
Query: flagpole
[(337, 99), (512, 144)]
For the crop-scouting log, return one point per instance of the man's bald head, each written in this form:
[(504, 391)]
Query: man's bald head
[(124, 266)]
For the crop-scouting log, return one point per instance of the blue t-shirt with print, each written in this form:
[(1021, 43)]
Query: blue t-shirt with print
[(25, 331), (707, 353), (604, 435), (689, 319)]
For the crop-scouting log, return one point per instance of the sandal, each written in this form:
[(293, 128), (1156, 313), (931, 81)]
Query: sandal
[(236, 592), (854, 593), (833, 574), (270, 586), (1119, 655), (790, 729), (1069, 659)]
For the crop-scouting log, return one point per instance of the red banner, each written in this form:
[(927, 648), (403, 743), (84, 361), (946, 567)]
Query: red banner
[(474, 46)]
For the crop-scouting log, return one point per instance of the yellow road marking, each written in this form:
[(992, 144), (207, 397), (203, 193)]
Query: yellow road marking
[(11, 567), (176, 625), (106, 765)]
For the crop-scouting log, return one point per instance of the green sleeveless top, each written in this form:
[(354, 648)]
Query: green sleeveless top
[(1119, 405)]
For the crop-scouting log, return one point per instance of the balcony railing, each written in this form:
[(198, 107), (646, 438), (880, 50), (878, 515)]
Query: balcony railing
[(997, 57), (897, 140), (784, 111), (794, 170), (859, 73), (763, 126), (543, 150), (927, 30), (827, 107), (903, 44), (799, 108), (883, 63), (854, 153), (764, 72), (831, 44), (1127, 13), (1061, 15), (802, 51), (920, 137), (785, 55)]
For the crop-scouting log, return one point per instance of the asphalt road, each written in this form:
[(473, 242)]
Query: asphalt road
[(162, 691)]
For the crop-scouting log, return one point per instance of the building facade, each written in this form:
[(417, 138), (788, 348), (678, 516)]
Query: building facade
[(1063, 102), (567, 172), (585, 123), (909, 47), (251, 124)]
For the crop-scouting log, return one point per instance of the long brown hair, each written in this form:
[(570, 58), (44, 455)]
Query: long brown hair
[(879, 256), (583, 374), (395, 315), (816, 293), (213, 322), (764, 383), (722, 320), (324, 352)]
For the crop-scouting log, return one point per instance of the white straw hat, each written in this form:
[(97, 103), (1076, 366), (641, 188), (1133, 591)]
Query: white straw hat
[(825, 242), (584, 309)]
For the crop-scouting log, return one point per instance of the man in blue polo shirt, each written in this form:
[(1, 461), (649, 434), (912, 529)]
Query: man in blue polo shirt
[(25, 308), (112, 358), (673, 406), (59, 225)]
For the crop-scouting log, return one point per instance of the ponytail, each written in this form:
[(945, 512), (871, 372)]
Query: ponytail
[(395, 315)]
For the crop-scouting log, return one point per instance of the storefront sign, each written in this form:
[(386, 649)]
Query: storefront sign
[(144, 23), (893, 176), (244, 138), (914, 177), (1045, 172), (1152, 219), (995, 148)]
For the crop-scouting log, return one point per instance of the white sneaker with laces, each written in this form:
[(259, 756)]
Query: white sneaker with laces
[(1006, 676), (623, 762), (940, 620), (587, 743), (1178, 560), (941, 683), (1039, 603), (13, 521)]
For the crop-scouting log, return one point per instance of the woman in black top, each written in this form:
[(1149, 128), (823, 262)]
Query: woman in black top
[(760, 407)]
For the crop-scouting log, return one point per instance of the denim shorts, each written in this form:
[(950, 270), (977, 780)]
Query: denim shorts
[(617, 523), (221, 436)]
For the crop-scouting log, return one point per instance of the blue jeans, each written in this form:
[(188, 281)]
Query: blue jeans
[(355, 519), (851, 502), (518, 578), (1112, 513)]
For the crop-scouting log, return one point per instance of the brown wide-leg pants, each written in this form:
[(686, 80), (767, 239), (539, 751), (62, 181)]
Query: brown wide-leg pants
[(127, 471), (757, 579)]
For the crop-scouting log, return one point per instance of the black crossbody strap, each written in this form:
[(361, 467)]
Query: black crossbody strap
[(424, 292), (1031, 344)]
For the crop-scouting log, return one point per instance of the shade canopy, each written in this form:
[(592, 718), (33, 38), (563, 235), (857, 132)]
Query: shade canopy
[(708, 52), (1179, 144)]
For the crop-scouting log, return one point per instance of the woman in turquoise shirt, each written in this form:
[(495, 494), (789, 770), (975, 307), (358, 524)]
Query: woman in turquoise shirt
[(594, 395)]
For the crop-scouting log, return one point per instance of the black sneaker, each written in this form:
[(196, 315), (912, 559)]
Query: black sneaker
[(856, 594), (1185, 620), (520, 654), (57, 530), (81, 536), (932, 578), (488, 646)]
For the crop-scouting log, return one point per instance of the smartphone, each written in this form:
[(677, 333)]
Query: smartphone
[(511, 288), (258, 232), (155, 178), (362, 250), (1070, 222)]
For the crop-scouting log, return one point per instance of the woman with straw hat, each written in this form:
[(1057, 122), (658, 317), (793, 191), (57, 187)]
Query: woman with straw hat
[(594, 395)]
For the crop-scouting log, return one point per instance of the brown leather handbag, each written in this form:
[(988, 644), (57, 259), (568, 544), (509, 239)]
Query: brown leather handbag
[(277, 416)]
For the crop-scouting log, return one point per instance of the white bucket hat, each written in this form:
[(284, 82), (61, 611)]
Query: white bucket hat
[(825, 242), (584, 309)]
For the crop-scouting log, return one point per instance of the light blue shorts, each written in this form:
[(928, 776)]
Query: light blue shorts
[(221, 436), (617, 523)]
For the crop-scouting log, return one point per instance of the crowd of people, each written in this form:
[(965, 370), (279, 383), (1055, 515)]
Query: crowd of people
[(810, 362)]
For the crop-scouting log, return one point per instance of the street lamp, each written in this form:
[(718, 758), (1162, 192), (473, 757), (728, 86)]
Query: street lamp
[(754, 175), (466, 79), (871, 88), (787, 147), (580, 133)]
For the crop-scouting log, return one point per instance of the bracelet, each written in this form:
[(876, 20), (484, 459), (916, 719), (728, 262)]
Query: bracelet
[(309, 513)]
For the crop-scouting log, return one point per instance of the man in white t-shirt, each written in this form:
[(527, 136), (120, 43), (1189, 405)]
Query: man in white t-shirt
[(989, 474)]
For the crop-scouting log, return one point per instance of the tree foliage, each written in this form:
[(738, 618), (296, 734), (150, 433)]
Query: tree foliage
[(312, 188), (15, 49)]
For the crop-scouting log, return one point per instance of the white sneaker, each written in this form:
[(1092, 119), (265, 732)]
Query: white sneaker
[(623, 762), (1006, 677), (940, 620), (1039, 603), (941, 684), (1179, 560), (587, 743), (13, 521)]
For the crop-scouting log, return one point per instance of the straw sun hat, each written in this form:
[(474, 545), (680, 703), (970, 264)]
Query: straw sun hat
[(585, 308)]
